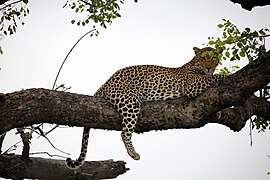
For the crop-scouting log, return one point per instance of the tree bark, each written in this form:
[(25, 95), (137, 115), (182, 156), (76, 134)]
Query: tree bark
[(17, 167), (232, 97)]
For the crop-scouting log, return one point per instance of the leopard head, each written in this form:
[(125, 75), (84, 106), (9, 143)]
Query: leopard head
[(206, 60)]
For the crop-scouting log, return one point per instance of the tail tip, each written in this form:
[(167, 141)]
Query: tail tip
[(72, 164)]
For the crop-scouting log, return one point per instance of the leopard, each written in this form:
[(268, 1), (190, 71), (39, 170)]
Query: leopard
[(127, 88)]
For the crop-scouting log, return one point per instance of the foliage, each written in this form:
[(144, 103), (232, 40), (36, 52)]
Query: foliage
[(237, 44), (100, 12), (260, 123), (11, 13)]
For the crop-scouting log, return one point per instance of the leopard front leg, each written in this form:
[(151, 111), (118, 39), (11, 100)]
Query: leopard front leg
[(130, 113)]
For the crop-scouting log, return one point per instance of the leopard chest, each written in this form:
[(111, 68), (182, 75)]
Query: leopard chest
[(162, 88)]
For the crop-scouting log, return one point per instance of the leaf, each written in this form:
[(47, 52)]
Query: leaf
[(211, 42), (262, 32), (242, 54), (219, 56), (224, 34), (220, 25), (118, 15), (25, 1), (237, 57), (247, 29), (236, 67), (227, 54)]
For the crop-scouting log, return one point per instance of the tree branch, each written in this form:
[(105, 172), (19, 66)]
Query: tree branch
[(10, 4), (48, 169), (3, 1), (253, 106), (249, 4), (35, 106)]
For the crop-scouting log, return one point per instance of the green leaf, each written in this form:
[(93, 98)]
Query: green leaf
[(224, 34), (211, 42), (247, 29), (219, 56), (242, 54), (227, 54), (262, 32), (235, 67), (220, 25), (237, 57)]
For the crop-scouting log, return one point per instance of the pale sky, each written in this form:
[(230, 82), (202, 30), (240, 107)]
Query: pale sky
[(149, 32)]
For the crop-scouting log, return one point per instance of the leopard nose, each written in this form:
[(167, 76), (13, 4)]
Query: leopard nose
[(208, 68)]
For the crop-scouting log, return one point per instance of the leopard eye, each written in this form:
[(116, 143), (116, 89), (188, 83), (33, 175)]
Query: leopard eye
[(211, 54), (203, 54)]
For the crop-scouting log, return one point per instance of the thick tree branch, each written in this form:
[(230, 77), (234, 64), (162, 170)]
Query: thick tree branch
[(249, 4), (253, 106), (36, 106), (52, 169)]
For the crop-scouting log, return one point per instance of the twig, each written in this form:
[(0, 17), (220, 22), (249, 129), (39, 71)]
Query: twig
[(43, 135), (26, 142), (85, 2), (47, 154), (250, 131), (2, 137), (9, 149), (56, 126), (68, 55)]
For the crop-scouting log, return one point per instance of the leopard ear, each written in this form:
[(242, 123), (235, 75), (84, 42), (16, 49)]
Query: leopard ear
[(196, 50)]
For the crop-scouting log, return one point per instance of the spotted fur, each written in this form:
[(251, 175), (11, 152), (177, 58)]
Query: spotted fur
[(128, 87)]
